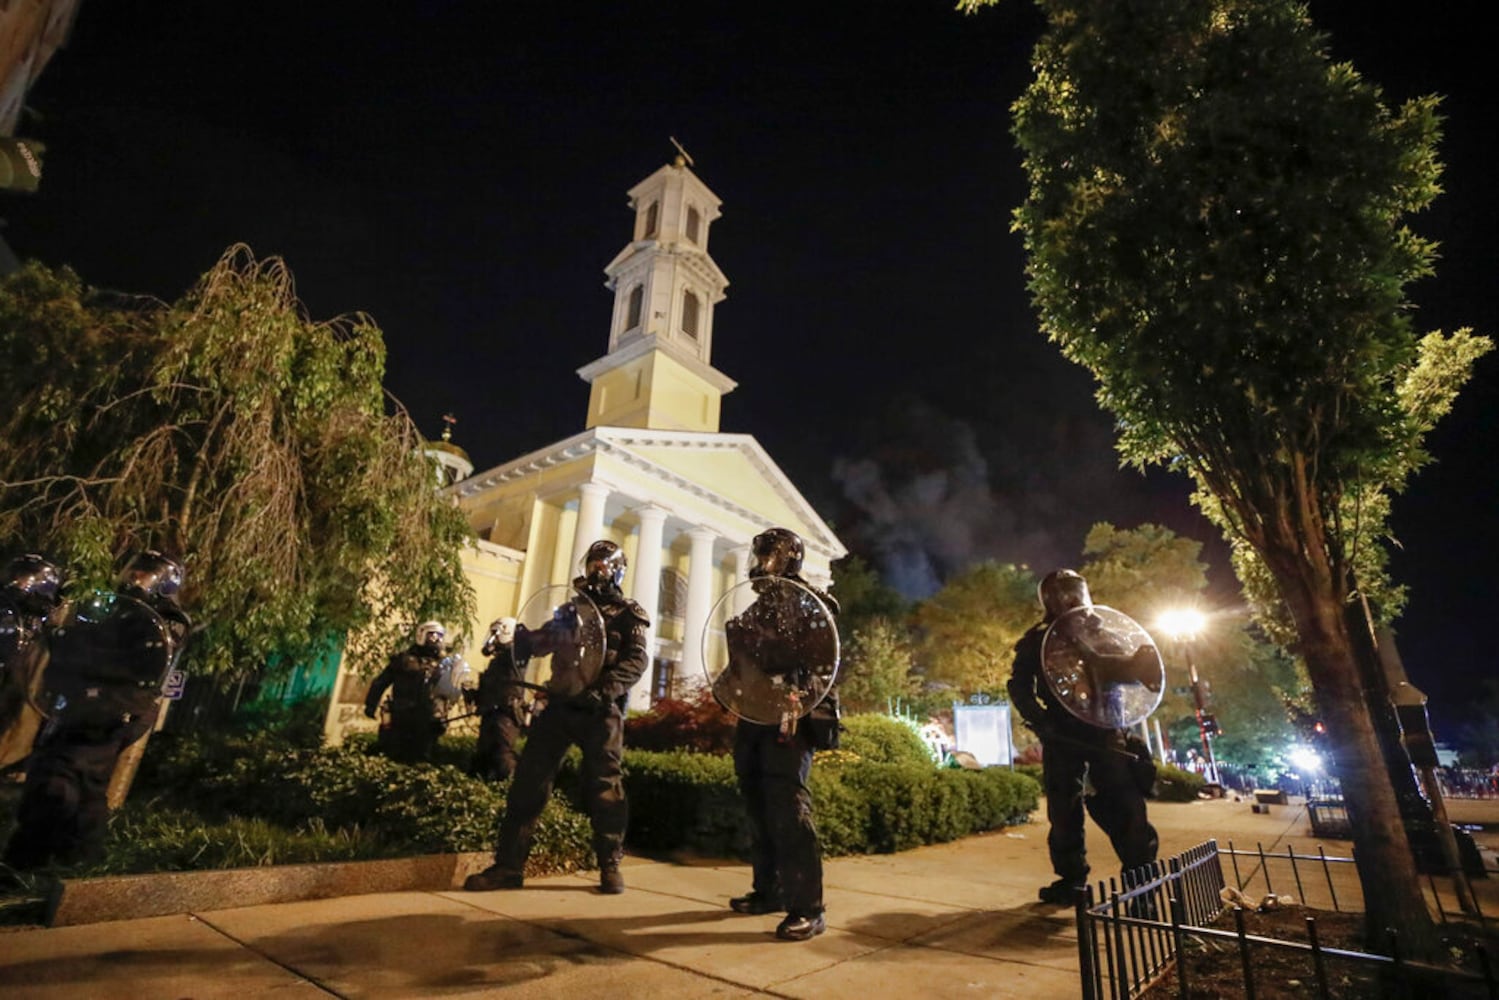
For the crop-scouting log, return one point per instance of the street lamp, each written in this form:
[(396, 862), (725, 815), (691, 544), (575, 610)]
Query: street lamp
[(1184, 625)]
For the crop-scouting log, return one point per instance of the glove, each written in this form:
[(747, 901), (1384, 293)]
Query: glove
[(594, 700)]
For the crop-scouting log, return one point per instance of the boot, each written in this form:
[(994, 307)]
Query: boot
[(796, 928), (493, 877), (1060, 893), (755, 903), (611, 879)]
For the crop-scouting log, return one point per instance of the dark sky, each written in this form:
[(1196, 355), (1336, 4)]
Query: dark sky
[(458, 170)]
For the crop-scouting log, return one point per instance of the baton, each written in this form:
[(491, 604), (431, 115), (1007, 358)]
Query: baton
[(541, 688)]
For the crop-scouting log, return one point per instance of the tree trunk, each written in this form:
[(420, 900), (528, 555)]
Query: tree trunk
[(1386, 862)]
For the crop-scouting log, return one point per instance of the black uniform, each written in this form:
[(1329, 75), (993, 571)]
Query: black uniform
[(1072, 751), (23, 655), (500, 710), (110, 677), (416, 718), (593, 719), (773, 768)]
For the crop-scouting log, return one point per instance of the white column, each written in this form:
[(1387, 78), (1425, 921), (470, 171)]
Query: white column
[(742, 558), (590, 526), (645, 587), (699, 602)]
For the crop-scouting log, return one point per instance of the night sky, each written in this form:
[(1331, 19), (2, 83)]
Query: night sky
[(458, 171)]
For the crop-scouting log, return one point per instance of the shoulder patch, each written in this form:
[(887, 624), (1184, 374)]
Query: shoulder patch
[(635, 609)]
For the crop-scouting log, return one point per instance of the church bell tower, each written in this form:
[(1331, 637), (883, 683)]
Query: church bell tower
[(658, 371)]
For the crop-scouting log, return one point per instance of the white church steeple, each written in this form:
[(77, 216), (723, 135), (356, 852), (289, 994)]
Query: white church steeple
[(658, 371)]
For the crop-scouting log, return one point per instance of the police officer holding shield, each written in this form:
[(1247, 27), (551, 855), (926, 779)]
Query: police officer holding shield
[(773, 761), (1082, 747), (32, 588), (416, 714), (498, 702), (102, 685), (584, 710)]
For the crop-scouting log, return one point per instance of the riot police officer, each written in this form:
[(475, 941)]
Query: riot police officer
[(32, 589), (773, 764), (416, 714), (1075, 756), (498, 702), (592, 718), (103, 685)]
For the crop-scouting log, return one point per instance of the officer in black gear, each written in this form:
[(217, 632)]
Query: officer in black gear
[(773, 765), (498, 701), (1076, 755), (32, 589), (593, 719), (416, 715), (103, 682)]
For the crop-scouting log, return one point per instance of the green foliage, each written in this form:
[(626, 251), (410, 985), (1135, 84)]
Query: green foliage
[(147, 837), (1143, 571), (1172, 784), (230, 429), (863, 597), (884, 739), (683, 799), (697, 723), (876, 666), (969, 628)]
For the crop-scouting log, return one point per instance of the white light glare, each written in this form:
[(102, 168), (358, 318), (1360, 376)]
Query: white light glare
[(1305, 760), (1181, 623)]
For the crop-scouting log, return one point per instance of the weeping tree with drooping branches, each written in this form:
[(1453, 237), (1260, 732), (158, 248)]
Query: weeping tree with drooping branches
[(1217, 229), (233, 431)]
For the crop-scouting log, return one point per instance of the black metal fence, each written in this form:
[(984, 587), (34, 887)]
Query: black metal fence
[(1132, 932)]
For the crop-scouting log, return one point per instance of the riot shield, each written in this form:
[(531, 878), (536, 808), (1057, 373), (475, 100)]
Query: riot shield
[(561, 631), (454, 676), (1103, 667), (110, 654), (12, 632), (770, 650)]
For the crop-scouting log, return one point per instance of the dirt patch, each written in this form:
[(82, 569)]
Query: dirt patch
[(1215, 968)]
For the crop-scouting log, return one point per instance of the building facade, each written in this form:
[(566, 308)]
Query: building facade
[(650, 470)]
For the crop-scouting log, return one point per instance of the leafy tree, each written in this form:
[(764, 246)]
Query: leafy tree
[(1143, 571), (1216, 229), (876, 667), (231, 430), (863, 597), (969, 628)]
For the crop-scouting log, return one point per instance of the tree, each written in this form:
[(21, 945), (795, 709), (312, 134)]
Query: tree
[(876, 667), (1143, 571), (231, 430), (863, 597), (1215, 228), (969, 628)]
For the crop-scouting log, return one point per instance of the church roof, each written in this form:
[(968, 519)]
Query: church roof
[(689, 465)]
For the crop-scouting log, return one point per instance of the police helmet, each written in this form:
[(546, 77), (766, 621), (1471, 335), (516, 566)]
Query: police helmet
[(33, 583), (604, 564), (778, 552), (430, 634), (1061, 590), (152, 575)]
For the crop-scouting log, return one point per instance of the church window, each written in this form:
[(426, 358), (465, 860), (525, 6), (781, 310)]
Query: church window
[(650, 220), (632, 312), (694, 224), (689, 314)]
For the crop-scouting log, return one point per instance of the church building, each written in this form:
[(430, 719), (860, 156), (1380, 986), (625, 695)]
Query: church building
[(650, 470)]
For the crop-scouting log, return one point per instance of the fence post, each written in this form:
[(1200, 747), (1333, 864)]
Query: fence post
[(1318, 966), (1244, 954), (1085, 942)]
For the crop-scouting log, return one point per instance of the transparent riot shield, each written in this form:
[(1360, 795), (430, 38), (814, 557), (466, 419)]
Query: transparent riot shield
[(12, 632), (770, 650), (561, 632), (1103, 667), (109, 655)]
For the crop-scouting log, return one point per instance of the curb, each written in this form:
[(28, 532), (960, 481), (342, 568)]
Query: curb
[(128, 897)]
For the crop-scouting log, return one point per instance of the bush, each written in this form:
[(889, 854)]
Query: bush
[(684, 799), (1172, 784), (884, 739), (698, 723)]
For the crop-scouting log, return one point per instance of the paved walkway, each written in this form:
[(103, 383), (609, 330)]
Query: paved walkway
[(950, 920)]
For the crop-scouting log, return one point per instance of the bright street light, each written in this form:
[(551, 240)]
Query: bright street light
[(1181, 623)]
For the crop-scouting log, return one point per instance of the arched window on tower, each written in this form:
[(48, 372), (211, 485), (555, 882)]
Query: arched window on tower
[(632, 311), (650, 221), (694, 224), (689, 314)]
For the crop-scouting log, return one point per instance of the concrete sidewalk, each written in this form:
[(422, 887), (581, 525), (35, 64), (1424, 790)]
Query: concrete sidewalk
[(956, 919)]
